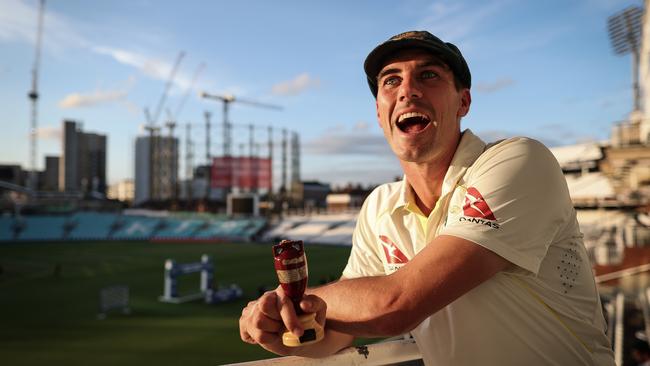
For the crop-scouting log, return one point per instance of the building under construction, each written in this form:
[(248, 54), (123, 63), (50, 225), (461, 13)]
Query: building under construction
[(156, 168)]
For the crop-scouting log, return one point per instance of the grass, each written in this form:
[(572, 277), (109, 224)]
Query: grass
[(48, 316)]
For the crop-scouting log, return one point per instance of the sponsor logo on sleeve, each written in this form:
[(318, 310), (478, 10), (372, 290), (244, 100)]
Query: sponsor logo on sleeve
[(476, 210), (392, 252)]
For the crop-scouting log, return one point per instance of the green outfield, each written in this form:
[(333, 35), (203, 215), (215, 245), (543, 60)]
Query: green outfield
[(49, 302)]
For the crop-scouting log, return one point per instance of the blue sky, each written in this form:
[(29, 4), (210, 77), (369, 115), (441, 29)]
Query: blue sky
[(544, 69)]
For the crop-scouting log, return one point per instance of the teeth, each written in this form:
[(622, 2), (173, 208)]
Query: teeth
[(411, 115)]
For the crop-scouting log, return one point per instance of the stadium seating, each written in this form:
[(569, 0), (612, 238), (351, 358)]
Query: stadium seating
[(322, 229), (128, 227), (223, 229), (178, 228), (340, 235), (42, 228), (253, 228), (6, 231), (91, 225), (113, 226)]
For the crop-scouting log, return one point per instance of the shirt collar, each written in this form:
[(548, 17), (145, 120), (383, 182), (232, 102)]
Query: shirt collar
[(468, 150)]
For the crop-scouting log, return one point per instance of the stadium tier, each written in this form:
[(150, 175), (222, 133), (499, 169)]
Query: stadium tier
[(319, 229), (42, 228), (178, 229), (128, 227), (6, 228), (340, 235), (91, 225)]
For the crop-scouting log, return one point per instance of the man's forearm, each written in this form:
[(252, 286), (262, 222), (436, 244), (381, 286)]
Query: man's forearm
[(362, 307), (396, 303)]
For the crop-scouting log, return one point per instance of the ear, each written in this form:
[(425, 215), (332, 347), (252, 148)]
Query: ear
[(465, 102)]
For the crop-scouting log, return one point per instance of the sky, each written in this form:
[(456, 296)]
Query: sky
[(543, 69)]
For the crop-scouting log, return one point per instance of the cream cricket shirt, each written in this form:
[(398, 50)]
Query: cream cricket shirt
[(512, 199)]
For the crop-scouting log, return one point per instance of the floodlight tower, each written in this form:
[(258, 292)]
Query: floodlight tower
[(625, 34), (33, 97)]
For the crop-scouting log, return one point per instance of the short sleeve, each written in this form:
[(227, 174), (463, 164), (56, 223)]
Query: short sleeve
[(514, 203), (364, 259)]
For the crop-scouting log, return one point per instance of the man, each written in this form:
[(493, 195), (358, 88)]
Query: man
[(477, 252)]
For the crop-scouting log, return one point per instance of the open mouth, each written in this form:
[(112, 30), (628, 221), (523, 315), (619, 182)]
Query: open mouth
[(413, 122)]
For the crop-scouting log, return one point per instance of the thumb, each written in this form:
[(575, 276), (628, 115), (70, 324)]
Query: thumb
[(314, 304)]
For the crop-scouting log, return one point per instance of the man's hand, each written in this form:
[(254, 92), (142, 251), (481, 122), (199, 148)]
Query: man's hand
[(264, 320)]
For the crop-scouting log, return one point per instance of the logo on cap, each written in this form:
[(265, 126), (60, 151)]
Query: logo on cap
[(392, 252), (475, 205)]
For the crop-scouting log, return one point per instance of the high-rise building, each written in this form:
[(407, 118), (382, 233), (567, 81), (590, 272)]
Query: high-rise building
[(82, 167), (51, 174), (156, 168)]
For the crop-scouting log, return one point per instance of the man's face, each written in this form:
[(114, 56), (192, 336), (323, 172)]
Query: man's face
[(418, 106)]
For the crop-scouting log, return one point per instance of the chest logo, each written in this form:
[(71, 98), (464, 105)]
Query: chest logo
[(392, 252), (475, 205)]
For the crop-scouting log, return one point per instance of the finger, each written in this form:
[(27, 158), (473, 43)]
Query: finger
[(288, 314), (261, 321), (314, 304), (268, 305), (243, 329), (264, 338)]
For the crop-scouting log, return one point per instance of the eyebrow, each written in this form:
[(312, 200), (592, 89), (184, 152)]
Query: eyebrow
[(430, 62)]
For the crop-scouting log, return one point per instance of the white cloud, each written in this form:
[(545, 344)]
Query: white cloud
[(494, 86), (362, 126), (99, 96), (455, 21), (152, 67), (48, 133), (18, 24), (18, 21), (75, 100), (353, 141), (296, 86)]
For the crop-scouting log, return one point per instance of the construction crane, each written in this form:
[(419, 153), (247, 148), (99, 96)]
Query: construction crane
[(182, 102), (33, 97), (227, 100), (168, 86)]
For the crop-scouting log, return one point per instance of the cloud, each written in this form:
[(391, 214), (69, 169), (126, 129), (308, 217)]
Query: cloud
[(98, 97), (48, 133), (494, 86), (18, 23), (362, 126), (152, 67), (76, 100), (382, 171), (342, 142), (454, 20), (296, 86), (560, 135)]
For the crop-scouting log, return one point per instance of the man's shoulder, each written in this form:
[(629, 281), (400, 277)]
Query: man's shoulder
[(384, 196), (516, 146)]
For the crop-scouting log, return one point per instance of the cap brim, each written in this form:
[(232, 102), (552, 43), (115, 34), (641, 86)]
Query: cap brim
[(377, 57)]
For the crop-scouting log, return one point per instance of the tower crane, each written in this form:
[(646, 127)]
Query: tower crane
[(155, 167), (227, 100), (33, 97)]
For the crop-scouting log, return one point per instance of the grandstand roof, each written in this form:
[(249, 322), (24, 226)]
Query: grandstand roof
[(572, 155)]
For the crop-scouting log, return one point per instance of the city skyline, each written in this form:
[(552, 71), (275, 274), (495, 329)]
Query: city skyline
[(542, 70)]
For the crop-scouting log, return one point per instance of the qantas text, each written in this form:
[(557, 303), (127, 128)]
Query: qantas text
[(475, 220)]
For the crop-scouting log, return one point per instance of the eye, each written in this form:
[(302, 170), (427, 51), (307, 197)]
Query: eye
[(390, 81), (428, 74)]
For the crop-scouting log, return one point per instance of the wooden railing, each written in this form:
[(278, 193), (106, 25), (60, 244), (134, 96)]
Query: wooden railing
[(384, 353)]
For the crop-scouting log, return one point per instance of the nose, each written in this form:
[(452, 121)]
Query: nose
[(409, 89)]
